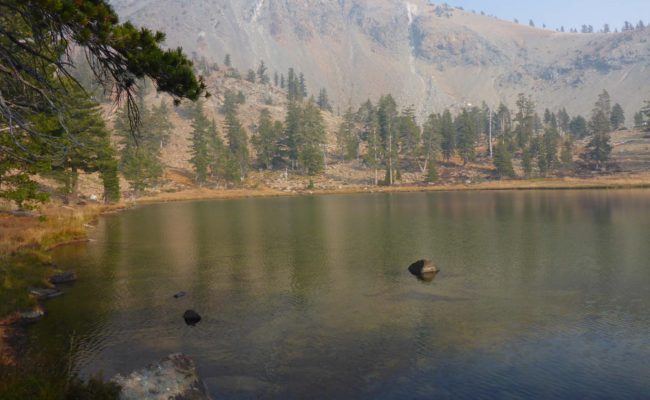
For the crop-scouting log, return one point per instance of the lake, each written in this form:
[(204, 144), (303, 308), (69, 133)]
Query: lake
[(541, 294)]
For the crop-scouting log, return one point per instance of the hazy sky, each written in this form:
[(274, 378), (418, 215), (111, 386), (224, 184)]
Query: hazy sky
[(570, 13)]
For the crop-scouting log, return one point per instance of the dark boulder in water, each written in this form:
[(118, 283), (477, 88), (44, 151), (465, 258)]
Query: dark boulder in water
[(191, 317), (423, 267)]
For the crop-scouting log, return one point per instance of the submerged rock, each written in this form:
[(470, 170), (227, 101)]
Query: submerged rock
[(63, 277), (174, 377), (427, 276), (191, 317), (43, 294), (422, 267)]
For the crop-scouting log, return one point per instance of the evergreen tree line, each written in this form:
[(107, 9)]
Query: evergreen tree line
[(385, 138), (294, 83), (295, 143)]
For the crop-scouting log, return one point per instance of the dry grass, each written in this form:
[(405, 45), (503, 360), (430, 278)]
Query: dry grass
[(55, 225), (619, 181)]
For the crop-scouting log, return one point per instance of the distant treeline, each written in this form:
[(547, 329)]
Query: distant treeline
[(382, 136)]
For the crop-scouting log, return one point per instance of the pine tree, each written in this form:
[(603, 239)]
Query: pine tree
[(503, 161), (158, 124), (567, 155), (347, 139), (448, 135), (302, 86), (542, 160), (323, 101), (292, 136), (262, 75), (231, 101), (639, 120), (551, 139), (84, 144), (266, 141), (367, 115), (293, 87), (250, 76), (223, 165), (467, 137), (110, 181), (237, 141), (604, 104), (618, 117), (578, 127), (226, 61), (387, 124), (313, 136), (200, 150), (409, 135), (527, 163), (432, 173), (139, 156), (645, 112), (563, 120), (598, 149), (431, 139), (525, 120)]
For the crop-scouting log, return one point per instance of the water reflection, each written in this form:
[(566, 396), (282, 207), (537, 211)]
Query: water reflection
[(543, 294)]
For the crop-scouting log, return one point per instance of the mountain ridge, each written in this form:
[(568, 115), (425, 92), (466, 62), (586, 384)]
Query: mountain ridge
[(432, 56)]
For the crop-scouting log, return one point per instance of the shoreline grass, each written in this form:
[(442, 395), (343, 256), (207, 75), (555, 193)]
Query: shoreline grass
[(641, 181)]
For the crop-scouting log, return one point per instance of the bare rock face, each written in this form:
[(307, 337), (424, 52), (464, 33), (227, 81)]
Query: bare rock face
[(432, 56), (174, 377)]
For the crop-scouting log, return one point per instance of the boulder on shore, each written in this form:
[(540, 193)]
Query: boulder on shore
[(174, 377), (63, 277), (45, 293), (422, 267), (32, 315)]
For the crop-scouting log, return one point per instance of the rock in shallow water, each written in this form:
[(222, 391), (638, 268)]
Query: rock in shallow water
[(191, 317), (174, 377), (421, 267)]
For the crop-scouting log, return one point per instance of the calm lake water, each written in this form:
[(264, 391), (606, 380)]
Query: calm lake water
[(541, 295)]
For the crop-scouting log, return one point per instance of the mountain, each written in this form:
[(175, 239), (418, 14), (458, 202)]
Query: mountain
[(432, 56)]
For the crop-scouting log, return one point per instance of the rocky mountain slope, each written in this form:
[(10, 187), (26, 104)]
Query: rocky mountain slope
[(432, 56)]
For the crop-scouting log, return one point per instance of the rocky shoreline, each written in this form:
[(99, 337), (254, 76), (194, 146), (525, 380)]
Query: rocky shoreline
[(174, 377)]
